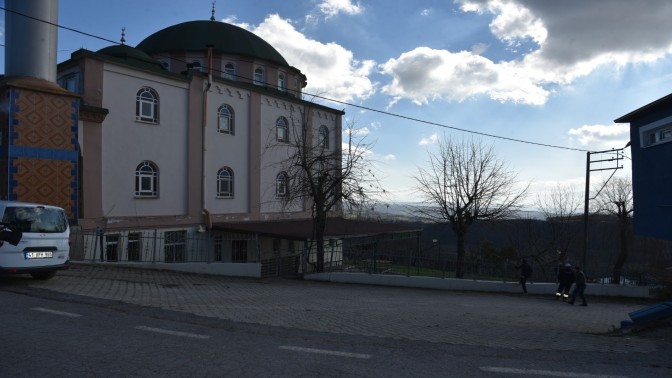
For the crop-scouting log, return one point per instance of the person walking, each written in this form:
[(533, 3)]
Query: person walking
[(565, 281), (579, 287), (525, 273)]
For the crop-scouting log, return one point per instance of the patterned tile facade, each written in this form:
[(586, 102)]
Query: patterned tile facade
[(41, 154), (44, 121), (45, 181)]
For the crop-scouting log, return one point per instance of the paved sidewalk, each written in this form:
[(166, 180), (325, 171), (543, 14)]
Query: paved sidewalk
[(465, 318)]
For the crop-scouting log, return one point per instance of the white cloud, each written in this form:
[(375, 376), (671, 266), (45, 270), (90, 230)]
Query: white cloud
[(232, 20), (601, 136), (425, 74), (479, 48), (513, 21), (331, 8), (331, 69), (389, 157), (431, 140), (572, 38), (425, 12), (360, 132)]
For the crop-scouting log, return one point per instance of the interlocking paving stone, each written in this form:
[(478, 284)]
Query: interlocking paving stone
[(478, 319)]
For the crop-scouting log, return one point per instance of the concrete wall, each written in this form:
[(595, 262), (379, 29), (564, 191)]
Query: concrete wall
[(473, 285), (250, 270)]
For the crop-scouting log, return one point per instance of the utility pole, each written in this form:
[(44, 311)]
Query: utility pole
[(613, 164)]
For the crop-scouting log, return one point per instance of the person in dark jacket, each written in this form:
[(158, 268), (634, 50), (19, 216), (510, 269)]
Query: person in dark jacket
[(565, 281), (525, 273), (579, 287)]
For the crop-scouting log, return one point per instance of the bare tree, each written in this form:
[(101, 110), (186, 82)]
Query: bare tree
[(616, 198), (561, 209), (323, 173), (465, 182)]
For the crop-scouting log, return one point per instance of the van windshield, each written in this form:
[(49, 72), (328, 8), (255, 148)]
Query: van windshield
[(36, 219)]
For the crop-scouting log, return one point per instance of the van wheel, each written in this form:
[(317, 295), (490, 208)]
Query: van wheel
[(42, 276)]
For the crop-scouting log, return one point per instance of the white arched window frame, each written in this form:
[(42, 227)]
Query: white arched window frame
[(230, 71), (225, 119), (281, 185), (282, 130), (196, 65), (282, 82), (259, 77), (324, 137), (225, 183), (147, 105), (165, 63), (147, 180)]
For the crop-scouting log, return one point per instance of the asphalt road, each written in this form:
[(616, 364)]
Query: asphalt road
[(102, 321)]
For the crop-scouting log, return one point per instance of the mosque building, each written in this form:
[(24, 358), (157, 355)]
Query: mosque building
[(184, 132)]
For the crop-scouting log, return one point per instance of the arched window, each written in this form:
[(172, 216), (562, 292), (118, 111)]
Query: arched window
[(259, 78), (282, 130), (165, 63), (225, 183), (225, 119), (281, 185), (282, 85), (324, 137), (197, 66), (147, 180), (147, 105), (230, 71)]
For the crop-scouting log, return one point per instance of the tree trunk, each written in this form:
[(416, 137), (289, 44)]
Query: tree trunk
[(459, 269), (623, 251), (320, 225)]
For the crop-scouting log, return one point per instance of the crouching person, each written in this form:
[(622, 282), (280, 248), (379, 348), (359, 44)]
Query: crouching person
[(565, 281)]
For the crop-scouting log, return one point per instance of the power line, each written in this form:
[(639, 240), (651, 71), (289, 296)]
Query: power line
[(59, 26), (334, 100), (452, 127)]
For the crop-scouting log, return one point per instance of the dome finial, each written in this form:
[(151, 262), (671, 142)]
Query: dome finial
[(212, 17), (123, 35)]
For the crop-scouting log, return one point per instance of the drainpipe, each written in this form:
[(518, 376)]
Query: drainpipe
[(204, 124)]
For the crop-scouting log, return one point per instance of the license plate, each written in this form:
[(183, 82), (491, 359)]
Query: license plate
[(39, 255)]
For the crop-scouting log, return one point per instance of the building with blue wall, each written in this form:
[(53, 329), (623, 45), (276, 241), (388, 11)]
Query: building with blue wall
[(651, 146)]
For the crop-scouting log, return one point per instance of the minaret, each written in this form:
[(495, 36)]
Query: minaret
[(39, 154), (31, 38)]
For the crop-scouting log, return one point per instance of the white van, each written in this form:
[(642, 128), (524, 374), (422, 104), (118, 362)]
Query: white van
[(34, 239)]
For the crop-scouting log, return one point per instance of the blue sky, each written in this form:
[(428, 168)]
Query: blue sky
[(549, 72)]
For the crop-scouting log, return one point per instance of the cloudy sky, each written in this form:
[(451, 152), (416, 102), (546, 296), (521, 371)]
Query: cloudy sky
[(541, 81)]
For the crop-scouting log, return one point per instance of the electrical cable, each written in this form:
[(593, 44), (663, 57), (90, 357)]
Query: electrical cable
[(384, 112)]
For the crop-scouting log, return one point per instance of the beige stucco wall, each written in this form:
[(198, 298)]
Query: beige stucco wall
[(187, 170), (275, 154), (126, 143), (226, 150)]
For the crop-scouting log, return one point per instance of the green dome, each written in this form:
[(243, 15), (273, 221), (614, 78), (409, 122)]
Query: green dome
[(224, 39), (132, 56)]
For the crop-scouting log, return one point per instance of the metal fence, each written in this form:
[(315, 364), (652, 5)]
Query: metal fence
[(418, 262), (144, 246), (389, 255), (181, 246)]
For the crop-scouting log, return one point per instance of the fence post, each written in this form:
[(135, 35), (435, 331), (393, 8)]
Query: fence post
[(410, 258), (304, 260), (256, 242), (154, 246), (100, 235), (375, 248)]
